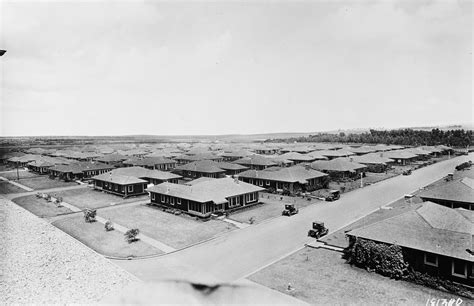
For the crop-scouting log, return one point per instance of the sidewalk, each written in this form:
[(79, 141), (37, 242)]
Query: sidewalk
[(11, 196), (236, 223)]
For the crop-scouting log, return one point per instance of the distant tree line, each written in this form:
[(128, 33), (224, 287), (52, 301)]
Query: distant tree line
[(453, 138)]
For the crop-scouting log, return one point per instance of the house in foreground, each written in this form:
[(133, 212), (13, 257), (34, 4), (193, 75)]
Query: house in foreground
[(296, 178), (205, 197), (435, 239)]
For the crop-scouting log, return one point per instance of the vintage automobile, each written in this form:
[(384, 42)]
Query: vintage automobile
[(290, 210), (318, 230)]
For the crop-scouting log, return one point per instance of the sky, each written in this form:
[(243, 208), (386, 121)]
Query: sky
[(240, 67)]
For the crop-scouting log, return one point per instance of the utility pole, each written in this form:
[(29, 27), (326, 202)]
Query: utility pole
[(361, 181), (17, 172)]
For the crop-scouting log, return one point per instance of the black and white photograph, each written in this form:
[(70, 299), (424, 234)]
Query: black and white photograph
[(236, 152)]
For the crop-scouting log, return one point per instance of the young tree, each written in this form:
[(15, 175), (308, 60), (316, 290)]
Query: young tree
[(131, 235)]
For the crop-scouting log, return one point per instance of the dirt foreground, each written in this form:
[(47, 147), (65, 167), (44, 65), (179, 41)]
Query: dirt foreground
[(41, 264)]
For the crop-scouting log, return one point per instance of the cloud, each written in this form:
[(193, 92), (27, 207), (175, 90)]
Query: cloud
[(180, 68)]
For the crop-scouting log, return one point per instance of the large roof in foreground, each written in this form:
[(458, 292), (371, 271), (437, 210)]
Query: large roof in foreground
[(216, 190), (431, 228)]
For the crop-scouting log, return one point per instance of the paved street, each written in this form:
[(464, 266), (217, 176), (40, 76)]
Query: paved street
[(239, 253)]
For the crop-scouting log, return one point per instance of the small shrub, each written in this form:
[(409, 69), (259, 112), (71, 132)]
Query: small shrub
[(89, 215), (109, 226), (131, 235)]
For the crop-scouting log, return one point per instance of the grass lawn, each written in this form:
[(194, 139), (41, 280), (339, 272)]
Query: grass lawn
[(6, 167), (40, 207), (22, 174), (111, 243), (322, 277), (270, 207), (6, 187), (90, 198), (44, 182), (175, 231)]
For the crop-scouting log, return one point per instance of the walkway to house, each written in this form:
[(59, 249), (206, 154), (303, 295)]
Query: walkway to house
[(11, 196), (236, 223), (16, 184)]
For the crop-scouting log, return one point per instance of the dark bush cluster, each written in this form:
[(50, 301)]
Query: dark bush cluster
[(392, 261)]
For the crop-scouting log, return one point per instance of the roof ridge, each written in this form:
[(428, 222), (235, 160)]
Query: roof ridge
[(389, 218)]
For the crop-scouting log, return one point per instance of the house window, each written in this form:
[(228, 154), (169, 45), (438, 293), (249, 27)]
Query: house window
[(130, 188), (152, 196), (116, 187), (178, 200), (459, 268), (431, 259), (267, 183), (260, 183), (162, 198), (171, 201), (250, 181), (251, 197)]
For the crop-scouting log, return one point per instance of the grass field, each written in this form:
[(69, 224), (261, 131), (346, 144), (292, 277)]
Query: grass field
[(272, 205), (321, 277), (6, 187), (6, 167), (44, 182), (90, 198), (12, 175), (175, 231), (40, 207), (110, 243)]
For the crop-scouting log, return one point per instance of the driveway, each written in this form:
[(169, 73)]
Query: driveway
[(238, 254)]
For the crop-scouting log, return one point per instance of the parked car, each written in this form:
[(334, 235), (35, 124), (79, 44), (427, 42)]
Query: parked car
[(290, 210), (318, 230)]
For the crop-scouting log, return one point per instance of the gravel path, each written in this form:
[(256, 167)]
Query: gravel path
[(41, 264)]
